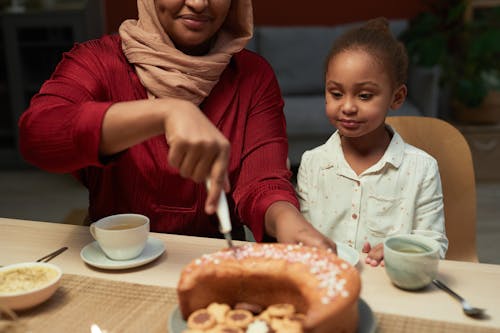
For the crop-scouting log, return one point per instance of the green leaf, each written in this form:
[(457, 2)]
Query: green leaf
[(471, 93)]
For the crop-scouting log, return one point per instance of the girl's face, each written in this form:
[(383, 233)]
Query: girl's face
[(192, 23), (359, 93)]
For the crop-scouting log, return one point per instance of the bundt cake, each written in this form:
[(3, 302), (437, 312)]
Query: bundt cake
[(316, 282)]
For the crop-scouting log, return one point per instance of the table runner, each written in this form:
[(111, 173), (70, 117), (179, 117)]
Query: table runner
[(123, 307), (115, 306), (395, 323)]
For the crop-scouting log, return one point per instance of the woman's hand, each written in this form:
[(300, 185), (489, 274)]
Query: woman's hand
[(284, 222), (375, 255), (197, 148)]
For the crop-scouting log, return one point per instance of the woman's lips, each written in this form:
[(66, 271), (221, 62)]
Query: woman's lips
[(194, 22)]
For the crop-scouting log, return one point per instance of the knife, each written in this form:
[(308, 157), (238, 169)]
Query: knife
[(223, 215)]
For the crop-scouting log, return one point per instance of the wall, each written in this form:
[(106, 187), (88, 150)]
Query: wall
[(293, 12), (330, 12), (116, 11)]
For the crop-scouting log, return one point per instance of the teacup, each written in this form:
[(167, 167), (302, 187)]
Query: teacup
[(121, 236), (411, 261)]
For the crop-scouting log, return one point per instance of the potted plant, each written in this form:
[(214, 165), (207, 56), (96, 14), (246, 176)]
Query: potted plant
[(467, 51)]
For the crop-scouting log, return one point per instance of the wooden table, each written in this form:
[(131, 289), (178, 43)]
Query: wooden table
[(22, 241)]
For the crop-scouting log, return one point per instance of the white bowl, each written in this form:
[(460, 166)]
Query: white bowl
[(25, 285), (411, 261)]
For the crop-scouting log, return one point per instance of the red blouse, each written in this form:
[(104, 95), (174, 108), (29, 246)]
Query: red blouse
[(61, 129)]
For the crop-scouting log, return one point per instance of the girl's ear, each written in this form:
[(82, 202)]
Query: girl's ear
[(399, 97)]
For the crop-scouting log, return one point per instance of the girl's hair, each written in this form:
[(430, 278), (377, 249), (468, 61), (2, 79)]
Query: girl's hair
[(375, 38)]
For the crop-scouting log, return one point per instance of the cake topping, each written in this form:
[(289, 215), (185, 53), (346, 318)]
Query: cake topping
[(230, 330), (280, 318), (201, 319), (239, 318), (219, 311), (253, 308), (281, 310), (258, 326), (323, 264)]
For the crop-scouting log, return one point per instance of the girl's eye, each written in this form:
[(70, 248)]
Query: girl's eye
[(365, 96), (336, 94)]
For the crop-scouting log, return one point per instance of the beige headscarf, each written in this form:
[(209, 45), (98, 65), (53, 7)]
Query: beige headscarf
[(166, 71)]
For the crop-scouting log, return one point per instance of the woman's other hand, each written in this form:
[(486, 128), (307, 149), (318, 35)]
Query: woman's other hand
[(284, 222)]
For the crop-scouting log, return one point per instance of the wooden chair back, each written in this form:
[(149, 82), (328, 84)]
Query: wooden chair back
[(449, 147)]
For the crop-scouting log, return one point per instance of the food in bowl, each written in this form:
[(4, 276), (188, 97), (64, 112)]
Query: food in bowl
[(25, 285)]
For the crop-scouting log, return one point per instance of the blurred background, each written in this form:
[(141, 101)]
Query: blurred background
[(459, 39)]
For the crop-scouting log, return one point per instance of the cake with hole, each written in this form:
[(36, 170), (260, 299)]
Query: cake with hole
[(322, 289)]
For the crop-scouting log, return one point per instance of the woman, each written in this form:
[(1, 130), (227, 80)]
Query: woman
[(144, 117)]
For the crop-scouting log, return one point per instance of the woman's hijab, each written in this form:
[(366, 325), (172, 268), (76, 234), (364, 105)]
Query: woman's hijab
[(166, 71)]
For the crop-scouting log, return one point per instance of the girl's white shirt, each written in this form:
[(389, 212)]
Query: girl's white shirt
[(400, 194)]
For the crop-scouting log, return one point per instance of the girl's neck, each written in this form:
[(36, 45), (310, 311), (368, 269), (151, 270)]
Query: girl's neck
[(363, 152)]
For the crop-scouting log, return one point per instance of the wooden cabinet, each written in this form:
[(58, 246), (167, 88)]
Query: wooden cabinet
[(484, 142), (34, 41), (478, 5), (6, 135)]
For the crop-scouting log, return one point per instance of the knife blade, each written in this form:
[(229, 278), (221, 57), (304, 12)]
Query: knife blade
[(223, 216)]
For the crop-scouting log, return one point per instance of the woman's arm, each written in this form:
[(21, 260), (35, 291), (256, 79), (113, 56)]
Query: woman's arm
[(197, 148), (79, 117), (263, 191), (284, 222)]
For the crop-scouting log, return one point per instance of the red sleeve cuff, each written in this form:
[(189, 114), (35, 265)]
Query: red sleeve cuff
[(88, 131), (262, 203)]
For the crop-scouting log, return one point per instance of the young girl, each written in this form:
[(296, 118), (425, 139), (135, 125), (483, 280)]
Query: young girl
[(365, 183)]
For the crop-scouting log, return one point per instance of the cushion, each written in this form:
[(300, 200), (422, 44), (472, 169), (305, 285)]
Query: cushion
[(305, 115), (297, 56), (298, 53)]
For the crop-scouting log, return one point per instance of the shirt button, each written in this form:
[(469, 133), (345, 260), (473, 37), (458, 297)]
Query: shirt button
[(354, 216)]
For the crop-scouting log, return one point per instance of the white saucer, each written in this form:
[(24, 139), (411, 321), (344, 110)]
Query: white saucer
[(347, 253), (93, 255), (367, 322)]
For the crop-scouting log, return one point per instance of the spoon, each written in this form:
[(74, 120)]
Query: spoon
[(51, 255), (468, 309)]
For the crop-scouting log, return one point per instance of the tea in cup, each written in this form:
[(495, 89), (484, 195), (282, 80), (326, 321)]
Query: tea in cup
[(411, 261), (121, 236)]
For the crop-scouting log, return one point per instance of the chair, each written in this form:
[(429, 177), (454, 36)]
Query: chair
[(449, 147)]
